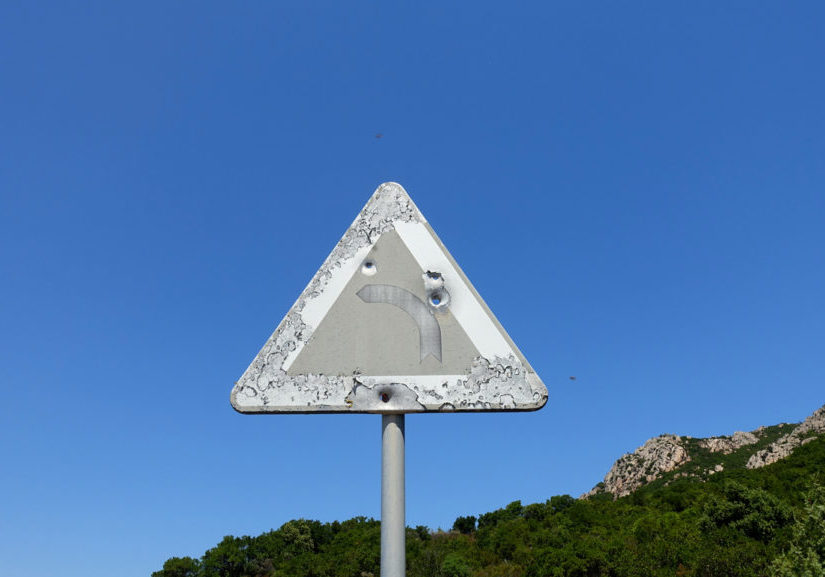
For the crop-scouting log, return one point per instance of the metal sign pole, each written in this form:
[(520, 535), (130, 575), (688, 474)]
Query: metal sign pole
[(393, 524)]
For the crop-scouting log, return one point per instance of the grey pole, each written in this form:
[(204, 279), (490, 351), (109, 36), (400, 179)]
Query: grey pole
[(393, 526)]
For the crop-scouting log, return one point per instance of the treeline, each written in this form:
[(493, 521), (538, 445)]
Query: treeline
[(769, 521)]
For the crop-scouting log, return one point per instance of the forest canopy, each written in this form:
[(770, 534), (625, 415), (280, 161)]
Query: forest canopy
[(748, 523)]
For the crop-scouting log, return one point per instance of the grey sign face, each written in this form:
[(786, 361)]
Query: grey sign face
[(429, 331), (389, 324)]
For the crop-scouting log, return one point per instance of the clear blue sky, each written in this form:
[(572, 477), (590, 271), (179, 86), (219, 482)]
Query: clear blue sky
[(636, 189)]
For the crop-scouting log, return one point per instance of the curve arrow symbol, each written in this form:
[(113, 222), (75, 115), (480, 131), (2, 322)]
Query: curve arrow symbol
[(429, 330)]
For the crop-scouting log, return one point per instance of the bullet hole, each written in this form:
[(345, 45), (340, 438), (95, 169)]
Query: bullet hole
[(439, 299), (369, 267)]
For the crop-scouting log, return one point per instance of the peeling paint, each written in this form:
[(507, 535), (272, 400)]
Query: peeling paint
[(500, 384), (386, 398)]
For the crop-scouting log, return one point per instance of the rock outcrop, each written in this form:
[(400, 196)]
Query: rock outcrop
[(785, 445), (727, 445), (663, 454), (650, 461)]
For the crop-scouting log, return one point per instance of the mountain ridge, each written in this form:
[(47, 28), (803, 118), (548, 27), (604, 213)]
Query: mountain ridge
[(667, 457)]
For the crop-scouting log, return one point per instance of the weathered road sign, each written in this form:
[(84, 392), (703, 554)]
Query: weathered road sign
[(389, 324)]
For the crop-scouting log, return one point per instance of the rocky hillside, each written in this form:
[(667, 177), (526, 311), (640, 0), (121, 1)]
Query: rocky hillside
[(669, 457)]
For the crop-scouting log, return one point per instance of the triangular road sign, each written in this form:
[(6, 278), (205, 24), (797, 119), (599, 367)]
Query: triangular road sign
[(389, 324)]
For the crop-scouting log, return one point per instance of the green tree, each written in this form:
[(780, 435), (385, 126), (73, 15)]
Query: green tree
[(512, 511), (297, 537), (228, 559), (465, 525), (455, 565), (423, 532), (561, 503), (755, 512), (806, 556), (179, 567)]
